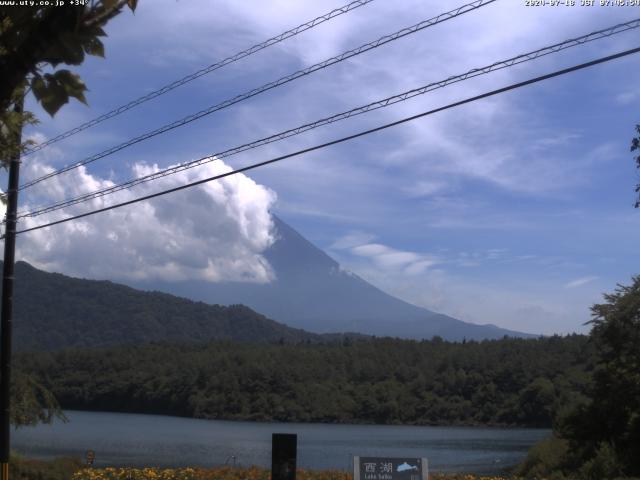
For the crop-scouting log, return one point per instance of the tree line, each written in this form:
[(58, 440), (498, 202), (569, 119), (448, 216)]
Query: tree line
[(380, 380)]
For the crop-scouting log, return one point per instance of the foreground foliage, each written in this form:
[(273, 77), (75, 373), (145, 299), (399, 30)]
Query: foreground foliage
[(599, 438), (28, 469), (31, 402), (73, 469), (604, 432), (34, 40), (228, 473), (384, 381)]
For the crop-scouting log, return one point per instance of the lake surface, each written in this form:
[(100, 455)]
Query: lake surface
[(120, 439)]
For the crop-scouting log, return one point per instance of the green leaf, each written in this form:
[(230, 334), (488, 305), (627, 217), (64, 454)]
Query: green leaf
[(54, 90), (38, 86), (109, 4), (72, 84), (51, 93), (94, 46), (70, 48), (56, 97), (92, 31)]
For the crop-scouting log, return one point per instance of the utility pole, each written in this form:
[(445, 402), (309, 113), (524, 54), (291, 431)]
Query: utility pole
[(7, 301)]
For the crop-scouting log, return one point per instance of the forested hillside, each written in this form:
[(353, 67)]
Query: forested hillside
[(501, 382), (53, 311)]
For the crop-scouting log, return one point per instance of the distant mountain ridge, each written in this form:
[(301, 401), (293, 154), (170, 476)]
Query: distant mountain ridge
[(314, 293), (53, 311)]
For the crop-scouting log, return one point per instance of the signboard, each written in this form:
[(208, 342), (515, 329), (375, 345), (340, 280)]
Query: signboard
[(390, 468)]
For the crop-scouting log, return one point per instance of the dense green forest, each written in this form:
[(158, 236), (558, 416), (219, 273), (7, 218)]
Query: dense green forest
[(53, 311), (500, 382)]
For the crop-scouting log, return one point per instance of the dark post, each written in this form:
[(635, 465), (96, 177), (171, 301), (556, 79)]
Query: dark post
[(284, 452), (7, 304)]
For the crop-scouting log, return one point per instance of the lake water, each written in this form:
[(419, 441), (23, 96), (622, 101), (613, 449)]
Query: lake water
[(151, 440)]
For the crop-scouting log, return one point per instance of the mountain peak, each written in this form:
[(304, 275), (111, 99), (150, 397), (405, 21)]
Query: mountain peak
[(291, 253), (312, 291)]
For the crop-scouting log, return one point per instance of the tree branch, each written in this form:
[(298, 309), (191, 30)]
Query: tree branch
[(105, 16)]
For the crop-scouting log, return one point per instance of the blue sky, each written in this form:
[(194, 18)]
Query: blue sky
[(515, 210)]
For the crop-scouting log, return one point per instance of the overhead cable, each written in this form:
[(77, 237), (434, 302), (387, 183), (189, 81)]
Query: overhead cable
[(525, 57), (340, 140), (204, 71), (281, 81)]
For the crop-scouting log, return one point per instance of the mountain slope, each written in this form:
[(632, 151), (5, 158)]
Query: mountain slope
[(53, 311), (312, 292)]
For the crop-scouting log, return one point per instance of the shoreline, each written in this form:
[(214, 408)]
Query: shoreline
[(346, 424)]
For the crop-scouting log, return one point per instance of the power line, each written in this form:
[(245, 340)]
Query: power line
[(603, 33), (283, 80), (343, 139), (204, 71)]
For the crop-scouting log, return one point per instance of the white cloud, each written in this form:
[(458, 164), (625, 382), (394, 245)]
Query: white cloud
[(480, 141), (578, 282), (213, 232), (425, 188), (504, 302), (353, 239), (420, 266), (383, 256), (442, 282), (628, 97)]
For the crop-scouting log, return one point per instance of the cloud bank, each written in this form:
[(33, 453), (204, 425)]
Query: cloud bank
[(214, 232)]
